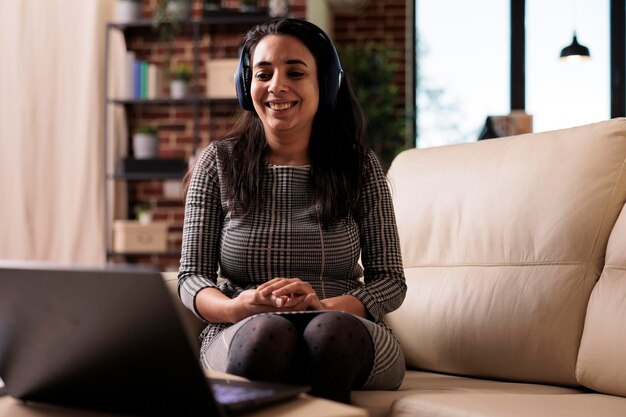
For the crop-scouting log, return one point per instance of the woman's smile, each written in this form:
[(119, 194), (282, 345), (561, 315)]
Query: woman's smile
[(280, 106)]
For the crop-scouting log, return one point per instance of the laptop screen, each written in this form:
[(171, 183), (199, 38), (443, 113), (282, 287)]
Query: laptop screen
[(99, 339)]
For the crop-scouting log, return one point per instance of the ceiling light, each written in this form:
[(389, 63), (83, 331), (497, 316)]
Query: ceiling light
[(575, 51)]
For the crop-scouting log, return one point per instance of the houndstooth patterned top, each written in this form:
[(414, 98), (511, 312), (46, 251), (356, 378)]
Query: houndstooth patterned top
[(284, 239)]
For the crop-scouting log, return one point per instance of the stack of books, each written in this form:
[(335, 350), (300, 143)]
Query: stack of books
[(141, 79)]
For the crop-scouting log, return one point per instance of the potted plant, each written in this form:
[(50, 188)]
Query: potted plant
[(248, 6), (180, 76), (167, 23), (371, 72), (143, 212), (178, 9), (127, 11), (145, 142)]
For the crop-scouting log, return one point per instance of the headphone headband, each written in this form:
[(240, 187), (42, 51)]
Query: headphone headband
[(302, 30)]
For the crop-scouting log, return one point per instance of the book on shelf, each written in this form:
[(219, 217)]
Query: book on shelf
[(127, 76), (155, 81), (137, 79), (144, 80)]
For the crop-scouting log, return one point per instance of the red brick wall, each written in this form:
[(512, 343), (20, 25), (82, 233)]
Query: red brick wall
[(382, 21)]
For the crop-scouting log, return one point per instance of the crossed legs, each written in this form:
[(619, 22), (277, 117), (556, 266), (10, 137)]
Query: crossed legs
[(333, 352)]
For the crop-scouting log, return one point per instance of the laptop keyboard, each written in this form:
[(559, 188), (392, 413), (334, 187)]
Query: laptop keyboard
[(232, 394)]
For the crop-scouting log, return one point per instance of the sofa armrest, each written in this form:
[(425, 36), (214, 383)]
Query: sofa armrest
[(192, 324)]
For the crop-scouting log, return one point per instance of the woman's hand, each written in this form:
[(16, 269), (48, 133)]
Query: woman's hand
[(251, 302), (347, 304), (288, 294), (293, 294), (301, 296), (279, 294)]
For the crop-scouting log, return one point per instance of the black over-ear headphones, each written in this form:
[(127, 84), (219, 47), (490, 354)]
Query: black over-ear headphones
[(329, 86)]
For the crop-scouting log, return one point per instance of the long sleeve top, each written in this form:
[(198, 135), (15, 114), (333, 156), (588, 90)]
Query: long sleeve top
[(283, 238)]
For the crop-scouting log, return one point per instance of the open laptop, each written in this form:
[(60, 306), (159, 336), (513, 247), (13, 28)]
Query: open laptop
[(109, 340)]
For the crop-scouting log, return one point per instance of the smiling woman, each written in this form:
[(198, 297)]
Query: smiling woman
[(276, 218)]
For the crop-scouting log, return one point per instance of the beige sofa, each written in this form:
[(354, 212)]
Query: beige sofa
[(515, 259)]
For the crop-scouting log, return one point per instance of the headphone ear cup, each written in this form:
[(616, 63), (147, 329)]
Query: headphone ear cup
[(243, 82), (334, 78)]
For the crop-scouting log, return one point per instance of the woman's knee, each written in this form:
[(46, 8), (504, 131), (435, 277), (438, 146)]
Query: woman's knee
[(340, 354), (263, 348), (266, 330), (338, 331)]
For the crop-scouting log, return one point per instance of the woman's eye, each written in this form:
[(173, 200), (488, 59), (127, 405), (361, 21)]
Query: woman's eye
[(263, 76), (296, 74)]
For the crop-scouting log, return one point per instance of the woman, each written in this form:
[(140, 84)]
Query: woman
[(276, 218)]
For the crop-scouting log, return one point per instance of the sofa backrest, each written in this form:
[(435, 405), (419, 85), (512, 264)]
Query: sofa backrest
[(602, 357), (502, 242)]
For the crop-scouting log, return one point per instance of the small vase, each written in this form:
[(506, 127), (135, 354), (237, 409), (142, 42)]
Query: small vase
[(145, 146), (178, 89), (278, 8), (145, 217), (179, 10), (127, 11)]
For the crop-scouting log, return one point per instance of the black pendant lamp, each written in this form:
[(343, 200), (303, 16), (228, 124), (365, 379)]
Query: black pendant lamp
[(575, 51)]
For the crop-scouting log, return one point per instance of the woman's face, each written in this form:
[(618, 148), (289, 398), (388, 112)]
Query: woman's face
[(284, 87)]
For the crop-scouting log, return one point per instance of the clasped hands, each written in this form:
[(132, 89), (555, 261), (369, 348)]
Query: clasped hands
[(288, 294), (279, 294)]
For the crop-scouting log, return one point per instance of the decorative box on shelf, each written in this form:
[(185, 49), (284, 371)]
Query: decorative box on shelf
[(130, 236), (220, 82)]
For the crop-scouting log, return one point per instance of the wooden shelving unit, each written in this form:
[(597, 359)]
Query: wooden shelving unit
[(224, 21)]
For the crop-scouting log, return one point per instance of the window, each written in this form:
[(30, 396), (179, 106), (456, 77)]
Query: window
[(562, 94), (463, 68)]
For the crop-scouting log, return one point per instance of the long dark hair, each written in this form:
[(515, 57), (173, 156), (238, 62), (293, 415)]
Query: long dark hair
[(336, 150)]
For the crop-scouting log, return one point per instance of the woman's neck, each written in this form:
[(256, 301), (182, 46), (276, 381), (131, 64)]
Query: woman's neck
[(287, 152)]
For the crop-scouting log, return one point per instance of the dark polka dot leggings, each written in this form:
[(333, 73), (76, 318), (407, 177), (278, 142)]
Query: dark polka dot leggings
[(332, 352)]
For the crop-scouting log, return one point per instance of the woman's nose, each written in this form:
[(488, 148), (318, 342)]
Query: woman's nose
[(278, 84)]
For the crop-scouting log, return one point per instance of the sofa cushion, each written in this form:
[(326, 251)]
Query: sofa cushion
[(509, 405), (418, 383), (502, 242), (602, 357)]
